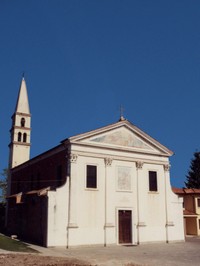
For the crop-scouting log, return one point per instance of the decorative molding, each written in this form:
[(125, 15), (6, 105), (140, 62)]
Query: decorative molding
[(109, 225), (72, 225), (166, 167), (22, 114), (22, 128), (20, 143), (72, 157), (139, 164), (121, 158), (141, 224), (108, 161), (170, 223)]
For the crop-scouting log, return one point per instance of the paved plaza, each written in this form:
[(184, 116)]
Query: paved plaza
[(180, 253)]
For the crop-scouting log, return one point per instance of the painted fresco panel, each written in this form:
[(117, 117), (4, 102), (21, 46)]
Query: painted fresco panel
[(123, 178), (122, 138)]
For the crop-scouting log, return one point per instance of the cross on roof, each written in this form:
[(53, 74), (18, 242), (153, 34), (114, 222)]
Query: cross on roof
[(121, 113)]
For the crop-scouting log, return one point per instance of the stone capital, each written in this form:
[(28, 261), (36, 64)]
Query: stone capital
[(108, 161), (139, 164), (166, 167), (72, 157)]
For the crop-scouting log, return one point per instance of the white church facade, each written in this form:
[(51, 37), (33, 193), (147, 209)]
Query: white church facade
[(107, 186)]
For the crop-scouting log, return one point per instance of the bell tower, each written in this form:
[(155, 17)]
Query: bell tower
[(21, 129)]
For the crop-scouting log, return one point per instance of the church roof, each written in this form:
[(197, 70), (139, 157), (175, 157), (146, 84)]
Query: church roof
[(122, 134)]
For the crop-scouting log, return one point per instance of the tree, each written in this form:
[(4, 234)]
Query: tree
[(3, 185), (193, 177)]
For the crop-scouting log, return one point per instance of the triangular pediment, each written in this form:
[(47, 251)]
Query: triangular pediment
[(124, 136), (121, 137)]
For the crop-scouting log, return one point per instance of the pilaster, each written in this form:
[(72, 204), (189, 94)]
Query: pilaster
[(72, 221), (109, 223), (169, 221), (140, 209)]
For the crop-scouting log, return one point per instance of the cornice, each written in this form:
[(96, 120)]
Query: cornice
[(120, 158), (21, 114), (20, 143), (120, 149), (81, 139), (18, 127)]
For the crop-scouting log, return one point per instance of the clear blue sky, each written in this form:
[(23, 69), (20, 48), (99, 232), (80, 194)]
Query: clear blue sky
[(83, 59)]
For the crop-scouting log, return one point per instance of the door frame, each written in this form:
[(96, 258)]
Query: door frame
[(132, 225)]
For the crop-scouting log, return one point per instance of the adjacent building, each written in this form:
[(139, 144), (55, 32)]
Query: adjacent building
[(191, 209)]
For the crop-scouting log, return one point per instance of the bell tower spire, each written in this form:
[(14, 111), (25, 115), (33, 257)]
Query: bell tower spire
[(21, 129)]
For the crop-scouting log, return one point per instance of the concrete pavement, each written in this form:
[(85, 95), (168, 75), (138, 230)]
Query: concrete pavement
[(156, 254)]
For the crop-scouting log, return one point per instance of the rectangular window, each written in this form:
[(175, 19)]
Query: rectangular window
[(153, 181), (198, 202), (91, 176)]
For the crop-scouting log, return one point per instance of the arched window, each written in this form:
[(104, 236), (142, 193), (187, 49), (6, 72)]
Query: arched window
[(23, 122), (24, 137), (19, 137)]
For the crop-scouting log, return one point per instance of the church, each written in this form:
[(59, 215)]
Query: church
[(107, 186)]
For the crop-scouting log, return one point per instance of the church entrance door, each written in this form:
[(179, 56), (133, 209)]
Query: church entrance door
[(125, 226)]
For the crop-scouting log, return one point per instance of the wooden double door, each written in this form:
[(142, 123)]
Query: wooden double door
[(125, 226)]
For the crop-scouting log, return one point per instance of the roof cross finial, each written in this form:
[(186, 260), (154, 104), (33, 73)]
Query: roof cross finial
[(121, 113)]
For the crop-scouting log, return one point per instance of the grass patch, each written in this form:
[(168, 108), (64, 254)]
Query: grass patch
[(9, 244)]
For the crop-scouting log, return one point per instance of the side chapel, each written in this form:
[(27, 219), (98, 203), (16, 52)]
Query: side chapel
[(107, 186)]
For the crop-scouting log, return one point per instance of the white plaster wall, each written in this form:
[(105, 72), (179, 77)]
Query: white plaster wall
[(89, 206), (175, 214), (152, 205), (21, 154), (93, 213), (58, 216)]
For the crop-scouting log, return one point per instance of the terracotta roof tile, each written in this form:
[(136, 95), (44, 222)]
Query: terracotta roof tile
[(178, 190), (181, 191)]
